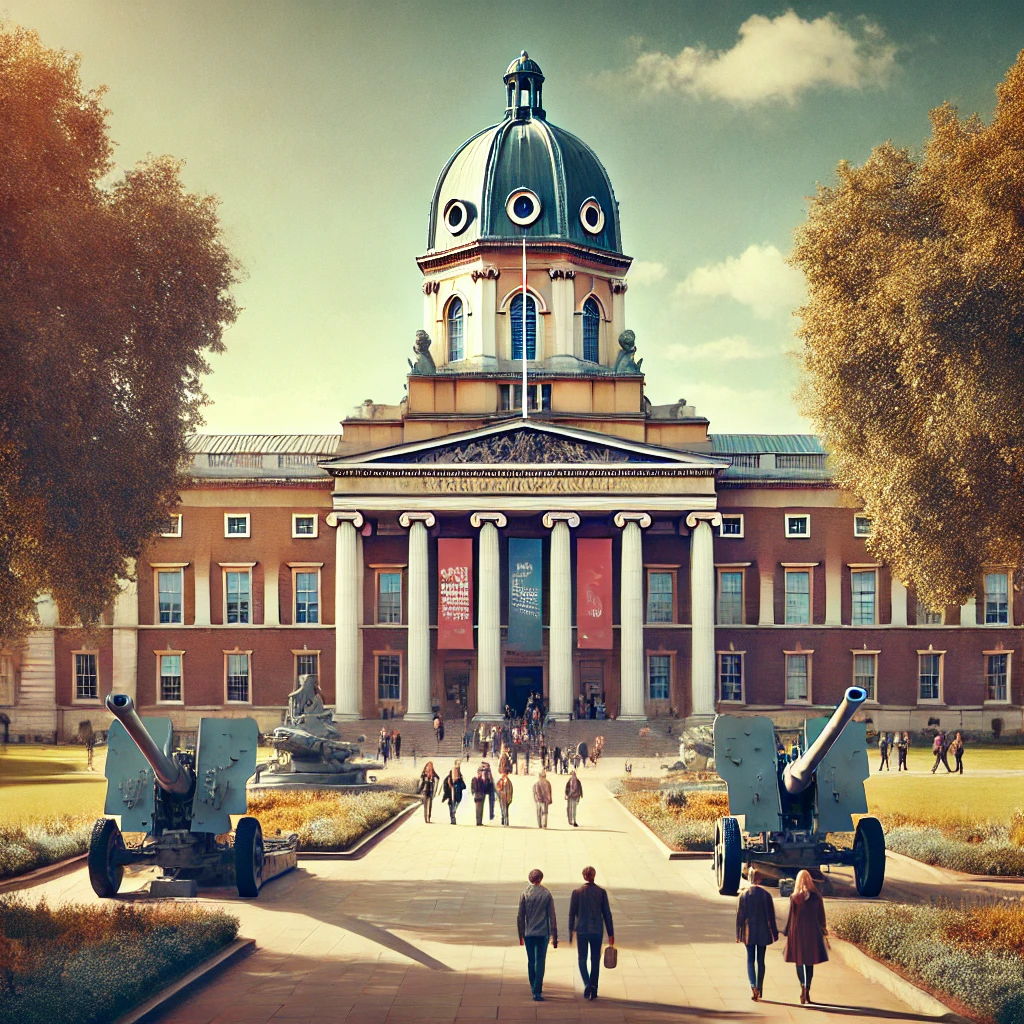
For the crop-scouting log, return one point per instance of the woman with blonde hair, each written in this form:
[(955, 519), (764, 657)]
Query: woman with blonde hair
[(429, 781), (805, 932)]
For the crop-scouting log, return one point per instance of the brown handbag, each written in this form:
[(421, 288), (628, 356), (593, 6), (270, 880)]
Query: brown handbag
[(611, 957)]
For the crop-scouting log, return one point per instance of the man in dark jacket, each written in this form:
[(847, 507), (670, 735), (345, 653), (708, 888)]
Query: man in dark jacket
[(589, 917), (479, 788), (536, 923), (756, 929)]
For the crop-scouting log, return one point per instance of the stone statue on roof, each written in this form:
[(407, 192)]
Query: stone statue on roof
[(626, 361), (424, 364)]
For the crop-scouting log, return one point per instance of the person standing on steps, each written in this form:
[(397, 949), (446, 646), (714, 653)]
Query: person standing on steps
[(756, 928), (573, 795), (806, 931), (542, 798), (537, 924), (504, 796), (590, 917), (478, 786), (428, 784), (452, 790)]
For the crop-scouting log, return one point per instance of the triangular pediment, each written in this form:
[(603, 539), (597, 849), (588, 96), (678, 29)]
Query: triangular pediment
[(529, 444)]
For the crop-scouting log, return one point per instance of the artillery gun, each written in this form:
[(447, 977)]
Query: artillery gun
[(182, 801), (790, 806)]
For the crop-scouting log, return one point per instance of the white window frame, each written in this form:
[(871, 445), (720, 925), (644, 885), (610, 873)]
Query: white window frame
[(743, 677), (159, 567), (248, 654), (1009, 678), (788, 567), (810, 676), (225, 568), (941, 699), (377, 655), (805, 516), (393, 570), (305, 515), (159, 693), (671, 571), (853, 670), (856, 569), (671, 655), (859, 518), (997, 571), (75, 699), (296, 568), (741, 568), (176, 532), (731, 536), (305, 652), (237, 515)]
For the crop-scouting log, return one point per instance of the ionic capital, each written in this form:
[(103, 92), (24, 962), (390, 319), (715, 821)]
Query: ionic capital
[(335, 519), (477, 519), (406, 519), (711, 518), (550, 518), (642, 519)]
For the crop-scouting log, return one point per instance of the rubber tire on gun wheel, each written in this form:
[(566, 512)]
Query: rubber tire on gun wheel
[(105, 876), (869, 857), (728, 856), (248, 857)]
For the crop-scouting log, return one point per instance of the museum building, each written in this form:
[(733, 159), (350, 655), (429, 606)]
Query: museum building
[(452, 552)]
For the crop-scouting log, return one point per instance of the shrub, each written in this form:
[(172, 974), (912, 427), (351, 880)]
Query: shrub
[(25, 847), (81, 964), (683, 821)]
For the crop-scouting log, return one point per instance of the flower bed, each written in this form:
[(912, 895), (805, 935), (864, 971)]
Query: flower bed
[(972, 956), (79, 964), (31, 845), (959, 843), (325, 821), (681, 821)]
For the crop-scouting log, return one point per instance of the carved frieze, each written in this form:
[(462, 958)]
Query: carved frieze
[(523, 447)]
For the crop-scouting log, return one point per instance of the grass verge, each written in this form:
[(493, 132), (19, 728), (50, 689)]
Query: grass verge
[(681, 821), (959, 842), (78, 964), (26, 847)]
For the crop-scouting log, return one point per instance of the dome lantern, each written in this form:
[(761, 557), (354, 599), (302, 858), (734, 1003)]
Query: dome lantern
[(523, 83)]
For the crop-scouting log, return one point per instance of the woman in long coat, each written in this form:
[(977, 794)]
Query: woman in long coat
[(504, 796), (428, 784), (756, 929), (805, 930)]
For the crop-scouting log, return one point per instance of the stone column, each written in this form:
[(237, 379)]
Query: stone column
[(202, 590), (126, 637), (834, 590), (899, 602), (348, 676), (702, 612), (271, 594), (631, 615), (560, 628), (488, 627), (418, 707), (766, 616)]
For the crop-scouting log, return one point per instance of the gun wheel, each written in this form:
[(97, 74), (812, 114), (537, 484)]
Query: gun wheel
[(728, 856), (248, 857), (104, 875), (869, 857)]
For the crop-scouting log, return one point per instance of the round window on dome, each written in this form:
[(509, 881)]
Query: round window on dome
[(456, 216), (523, 207), (592, 216)]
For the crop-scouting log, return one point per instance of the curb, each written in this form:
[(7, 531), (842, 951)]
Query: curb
[(660, 843), (154, 1007), (367, 842), (30, 878), (916, 998), (947, 875)]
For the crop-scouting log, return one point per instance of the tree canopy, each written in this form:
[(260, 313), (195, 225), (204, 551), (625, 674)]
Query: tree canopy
[(113, 288), (913, 359)]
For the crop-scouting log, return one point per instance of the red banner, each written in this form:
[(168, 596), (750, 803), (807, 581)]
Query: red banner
[(594, 593), (455, 594)]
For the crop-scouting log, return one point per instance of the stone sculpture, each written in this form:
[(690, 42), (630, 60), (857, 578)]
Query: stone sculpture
[(424, 365), (626, 361)]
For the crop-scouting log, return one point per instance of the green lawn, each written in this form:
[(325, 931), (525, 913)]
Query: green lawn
[(41, 781)]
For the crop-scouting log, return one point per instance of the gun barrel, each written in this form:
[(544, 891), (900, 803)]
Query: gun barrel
[(798, 775), (170, 776)]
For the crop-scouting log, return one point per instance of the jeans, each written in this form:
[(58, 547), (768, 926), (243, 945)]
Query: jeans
[(571, 809), (805, 972), (902, 762), (756, 978), (490, 803), (503, 806), (452, 808), (428, 802), (536, 955), (591, 944), (542, 815), (959, 762), (479, 811)]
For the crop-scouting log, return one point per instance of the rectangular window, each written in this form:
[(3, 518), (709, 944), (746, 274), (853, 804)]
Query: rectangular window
[(170, 677), (307, 596), (307, 665), (929, 676), (238, 677), (660, 605), (863, 586), (389, 677), (732, 526), (389, 597), (926, 617), (997, 607), (236, 525), (996, 676), (87, 685), (237, 588), (168, 586), (730, 677), (172, 528), (730, 597), (865, 670), (304, 525), (6, 679), (798, 525), (798, 597), (659, 674), (861, 526), (798, 671)]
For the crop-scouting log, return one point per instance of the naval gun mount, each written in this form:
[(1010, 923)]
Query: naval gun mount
[(790, 806)]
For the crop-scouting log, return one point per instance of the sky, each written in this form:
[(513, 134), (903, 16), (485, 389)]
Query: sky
[(322, 127)]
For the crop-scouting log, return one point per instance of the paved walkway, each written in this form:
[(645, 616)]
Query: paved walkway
[(423, 929)]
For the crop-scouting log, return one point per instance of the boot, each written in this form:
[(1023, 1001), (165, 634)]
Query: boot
[(754, 994), (803, 994)]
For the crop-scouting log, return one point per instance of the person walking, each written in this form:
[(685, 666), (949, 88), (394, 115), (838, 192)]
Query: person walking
[(537, 924), (957, 746), (478, 787), (504, 796), (485, 767), (582, 751), (557, 758), (573, 795), (883, 750), (542, 798), (806, 931), (902, 746), (937, 751), (505, 762), (590, 916), (398, 745), (428, 784), (940, 748), (452, 790), (439, 729), (756, 928)]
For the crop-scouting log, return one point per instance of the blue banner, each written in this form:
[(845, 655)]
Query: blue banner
[(525, 582)]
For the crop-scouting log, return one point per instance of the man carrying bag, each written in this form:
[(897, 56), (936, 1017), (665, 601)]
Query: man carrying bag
[(589, 917)]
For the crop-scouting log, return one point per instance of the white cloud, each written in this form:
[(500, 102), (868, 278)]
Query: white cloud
[(759, 278), (721, 350), (774, 59), (645, 272)]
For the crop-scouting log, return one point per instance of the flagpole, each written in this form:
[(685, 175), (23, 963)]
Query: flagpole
[(526, 401)]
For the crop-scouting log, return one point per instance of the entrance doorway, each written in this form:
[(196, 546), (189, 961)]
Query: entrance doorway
[(520, 682)]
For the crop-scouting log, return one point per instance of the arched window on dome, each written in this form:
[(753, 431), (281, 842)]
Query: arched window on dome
[(591, 331), (515, 312), (456, 350)]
